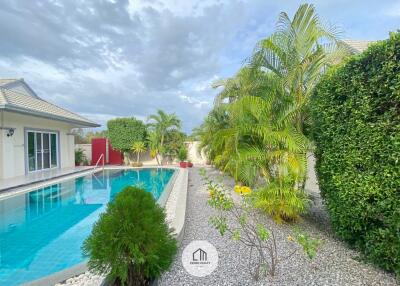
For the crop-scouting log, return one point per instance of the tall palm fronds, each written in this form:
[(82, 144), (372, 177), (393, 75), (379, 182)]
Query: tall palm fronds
[(247, 81), (256, 130), (162, 122), (298, 53)]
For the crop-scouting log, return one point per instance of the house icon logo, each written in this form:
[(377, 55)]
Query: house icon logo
[(199, 255), (200, 258)]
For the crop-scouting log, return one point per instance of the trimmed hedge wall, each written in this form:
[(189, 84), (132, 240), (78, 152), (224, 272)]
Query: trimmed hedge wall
[(123, 132), (356, 128)]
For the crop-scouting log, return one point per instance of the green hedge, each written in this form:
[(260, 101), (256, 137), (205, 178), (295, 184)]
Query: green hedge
[(123, 132), (356, 116)]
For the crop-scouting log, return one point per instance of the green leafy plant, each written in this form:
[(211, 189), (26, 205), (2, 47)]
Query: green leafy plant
[(182, 154), (356, 116), (164, 132), (153, 142), (258, 124), (281, 201), (138, 147), (243, 224), (80, 157), (131, 242), (123, 132)]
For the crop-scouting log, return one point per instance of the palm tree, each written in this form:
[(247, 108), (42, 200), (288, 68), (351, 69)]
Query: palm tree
[(297, 54), (138, 147), (259, 130), (154, 145), (162, 123)]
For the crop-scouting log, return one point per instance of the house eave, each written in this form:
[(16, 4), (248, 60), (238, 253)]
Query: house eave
[(77, 123)]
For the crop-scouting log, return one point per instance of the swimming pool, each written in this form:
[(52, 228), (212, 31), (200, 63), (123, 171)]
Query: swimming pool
[(41, 232)]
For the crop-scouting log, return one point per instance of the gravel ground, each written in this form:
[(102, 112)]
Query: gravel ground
[(85, 279), (334, 264)]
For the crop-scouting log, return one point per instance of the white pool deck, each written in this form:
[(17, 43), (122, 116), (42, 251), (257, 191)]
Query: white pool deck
[(37, 177)]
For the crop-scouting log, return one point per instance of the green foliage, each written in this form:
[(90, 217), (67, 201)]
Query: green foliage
[(80, 156), (153, 141), (174, 139), (138, 147), (309, 244), (123, 132), (182, 153), (246, 226), (356, 113), (82, 137), (131, 241), (256, 129), (165, 136), (281, 201)]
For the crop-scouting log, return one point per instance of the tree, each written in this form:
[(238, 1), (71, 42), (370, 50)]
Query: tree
[(86, 138), (259, 131), (162, 123), (138, 147), (154, 145), (297, 54), (174, 139), (163, 127), (123, 132)]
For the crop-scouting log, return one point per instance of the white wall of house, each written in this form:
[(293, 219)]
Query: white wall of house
[(12, 149)]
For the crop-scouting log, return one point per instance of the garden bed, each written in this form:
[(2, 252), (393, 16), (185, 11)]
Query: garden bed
[(334, 264)]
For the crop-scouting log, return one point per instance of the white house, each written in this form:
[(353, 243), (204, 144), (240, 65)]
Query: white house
[(35, 135)]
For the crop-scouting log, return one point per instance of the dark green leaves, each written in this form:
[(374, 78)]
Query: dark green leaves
[(356, 116), (123, 132), (131, 240)]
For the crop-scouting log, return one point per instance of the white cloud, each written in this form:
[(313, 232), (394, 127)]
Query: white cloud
[(194, 101), (130, 57)]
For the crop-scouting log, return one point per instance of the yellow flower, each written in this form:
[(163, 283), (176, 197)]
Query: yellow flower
[(237, 189), (212, 193), (243, 190), (290, 238)]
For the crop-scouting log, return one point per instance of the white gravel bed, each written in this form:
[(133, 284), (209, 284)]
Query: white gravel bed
[(85, 279), (334, 264)]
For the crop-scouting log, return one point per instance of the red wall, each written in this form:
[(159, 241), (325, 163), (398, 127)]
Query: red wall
[(99, 146), (114, 157)]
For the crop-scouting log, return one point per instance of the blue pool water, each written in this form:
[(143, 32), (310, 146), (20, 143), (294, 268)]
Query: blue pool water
[(41, 232)]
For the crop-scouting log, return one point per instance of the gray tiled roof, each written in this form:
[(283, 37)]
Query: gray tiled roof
[(14, 101), (4, 81), (358, 46)]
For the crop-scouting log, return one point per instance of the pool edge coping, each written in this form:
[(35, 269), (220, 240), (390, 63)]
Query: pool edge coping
[(180, 176)]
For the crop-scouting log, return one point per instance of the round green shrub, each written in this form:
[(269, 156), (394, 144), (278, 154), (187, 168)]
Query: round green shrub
[(131, 242), (356, 117)]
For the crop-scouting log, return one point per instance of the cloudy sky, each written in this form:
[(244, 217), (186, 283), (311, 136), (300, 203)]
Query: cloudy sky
[(129, 58)]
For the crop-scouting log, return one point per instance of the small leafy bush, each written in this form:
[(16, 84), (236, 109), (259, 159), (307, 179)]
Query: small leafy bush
[(80, 156), (281, 201), (182, 153), (356, 115), (131, 242)]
